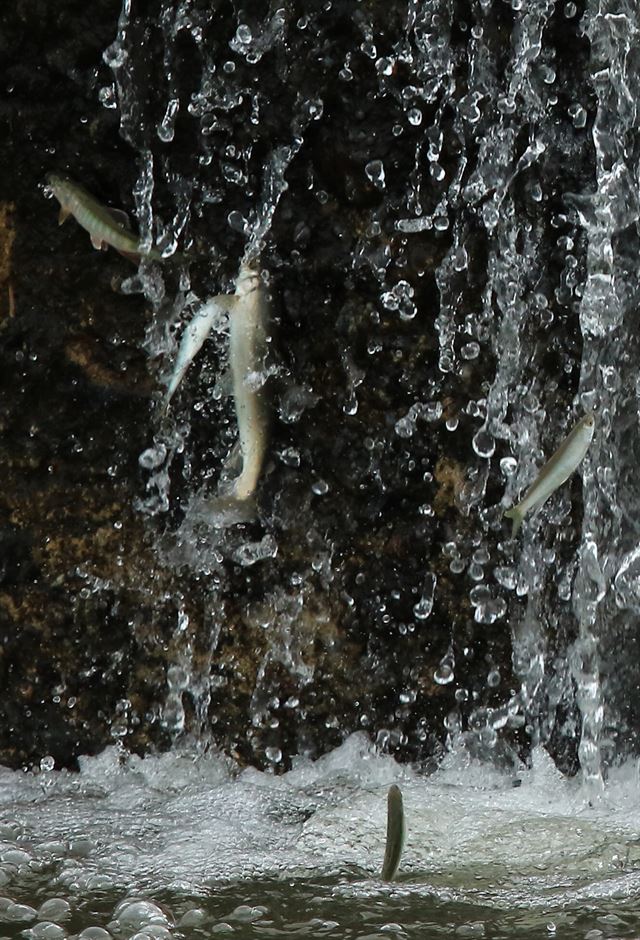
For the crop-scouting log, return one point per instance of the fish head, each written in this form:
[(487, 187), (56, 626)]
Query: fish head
[(58, 185), (587, 426)]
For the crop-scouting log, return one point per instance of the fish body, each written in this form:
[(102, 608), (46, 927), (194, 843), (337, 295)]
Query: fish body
[(105, 226), (555, 472), (248, 317), (396, 833), (193, 338)]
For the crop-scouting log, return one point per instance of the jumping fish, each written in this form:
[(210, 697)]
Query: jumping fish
[(248, 316), (556, 471), (105, 226), (396, 832)]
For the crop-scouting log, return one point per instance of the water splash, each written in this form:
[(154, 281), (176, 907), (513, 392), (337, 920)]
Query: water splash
[(484, 287)]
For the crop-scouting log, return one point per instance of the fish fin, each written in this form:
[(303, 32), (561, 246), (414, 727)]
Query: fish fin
[(120, 217), (224, 301), (98, 243), (132, 256), (63, 215), (396, 831), (517, 515)]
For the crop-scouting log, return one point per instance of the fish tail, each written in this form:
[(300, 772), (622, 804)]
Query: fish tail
[(517, 515)]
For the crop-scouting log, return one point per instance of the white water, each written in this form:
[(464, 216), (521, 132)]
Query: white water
[(132, 844)]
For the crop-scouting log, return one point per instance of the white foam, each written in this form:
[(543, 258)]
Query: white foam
[(184, 823)]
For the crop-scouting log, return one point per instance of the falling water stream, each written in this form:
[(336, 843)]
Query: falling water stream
[(524, 315)]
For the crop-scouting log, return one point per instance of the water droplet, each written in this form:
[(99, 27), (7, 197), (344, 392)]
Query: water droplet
[(490, 216), (578, 115), (107, 97), (243, 34), (508, 466), (505, 576), (115, 55), (460, 259), (237, 222), (484, 443), (375, 172), (424, 606), (166, 128), (414, 116), (444, 674), (153, 457)]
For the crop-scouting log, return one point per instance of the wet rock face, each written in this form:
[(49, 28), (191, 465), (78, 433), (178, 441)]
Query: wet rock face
[(425, 274)]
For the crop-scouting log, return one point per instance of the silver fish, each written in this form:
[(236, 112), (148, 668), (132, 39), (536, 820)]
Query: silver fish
[(396, 832), (193, 338), (248, 319), (248, 310), (556, 471), (105, 226)]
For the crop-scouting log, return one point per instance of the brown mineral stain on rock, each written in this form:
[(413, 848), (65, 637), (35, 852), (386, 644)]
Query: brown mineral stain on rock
[(7, 238), (449, 476), (86, 353)]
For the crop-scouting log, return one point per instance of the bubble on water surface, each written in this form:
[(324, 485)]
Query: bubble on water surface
[(18, 913), (245, 914), (46, 930), (56, 909), (137, 914)]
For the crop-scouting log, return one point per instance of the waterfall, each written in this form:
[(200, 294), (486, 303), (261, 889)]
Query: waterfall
[(444, 204)]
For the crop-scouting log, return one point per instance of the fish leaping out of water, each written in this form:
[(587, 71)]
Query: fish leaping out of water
[(248, 311), (105, 226), (396, 833), (556, 471)]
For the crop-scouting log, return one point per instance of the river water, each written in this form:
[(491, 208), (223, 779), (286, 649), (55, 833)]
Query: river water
[(189, 845)]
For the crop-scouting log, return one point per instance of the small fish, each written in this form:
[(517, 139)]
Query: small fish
[(193, 338), (396, 832), (248, 315), (105, 226), (555, 472), (248, 320)]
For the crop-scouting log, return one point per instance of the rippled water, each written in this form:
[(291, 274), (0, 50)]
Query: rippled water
[(187, 845)]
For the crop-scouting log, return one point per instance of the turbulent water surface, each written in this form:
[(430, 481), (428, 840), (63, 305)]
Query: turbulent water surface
[(187, 845)]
